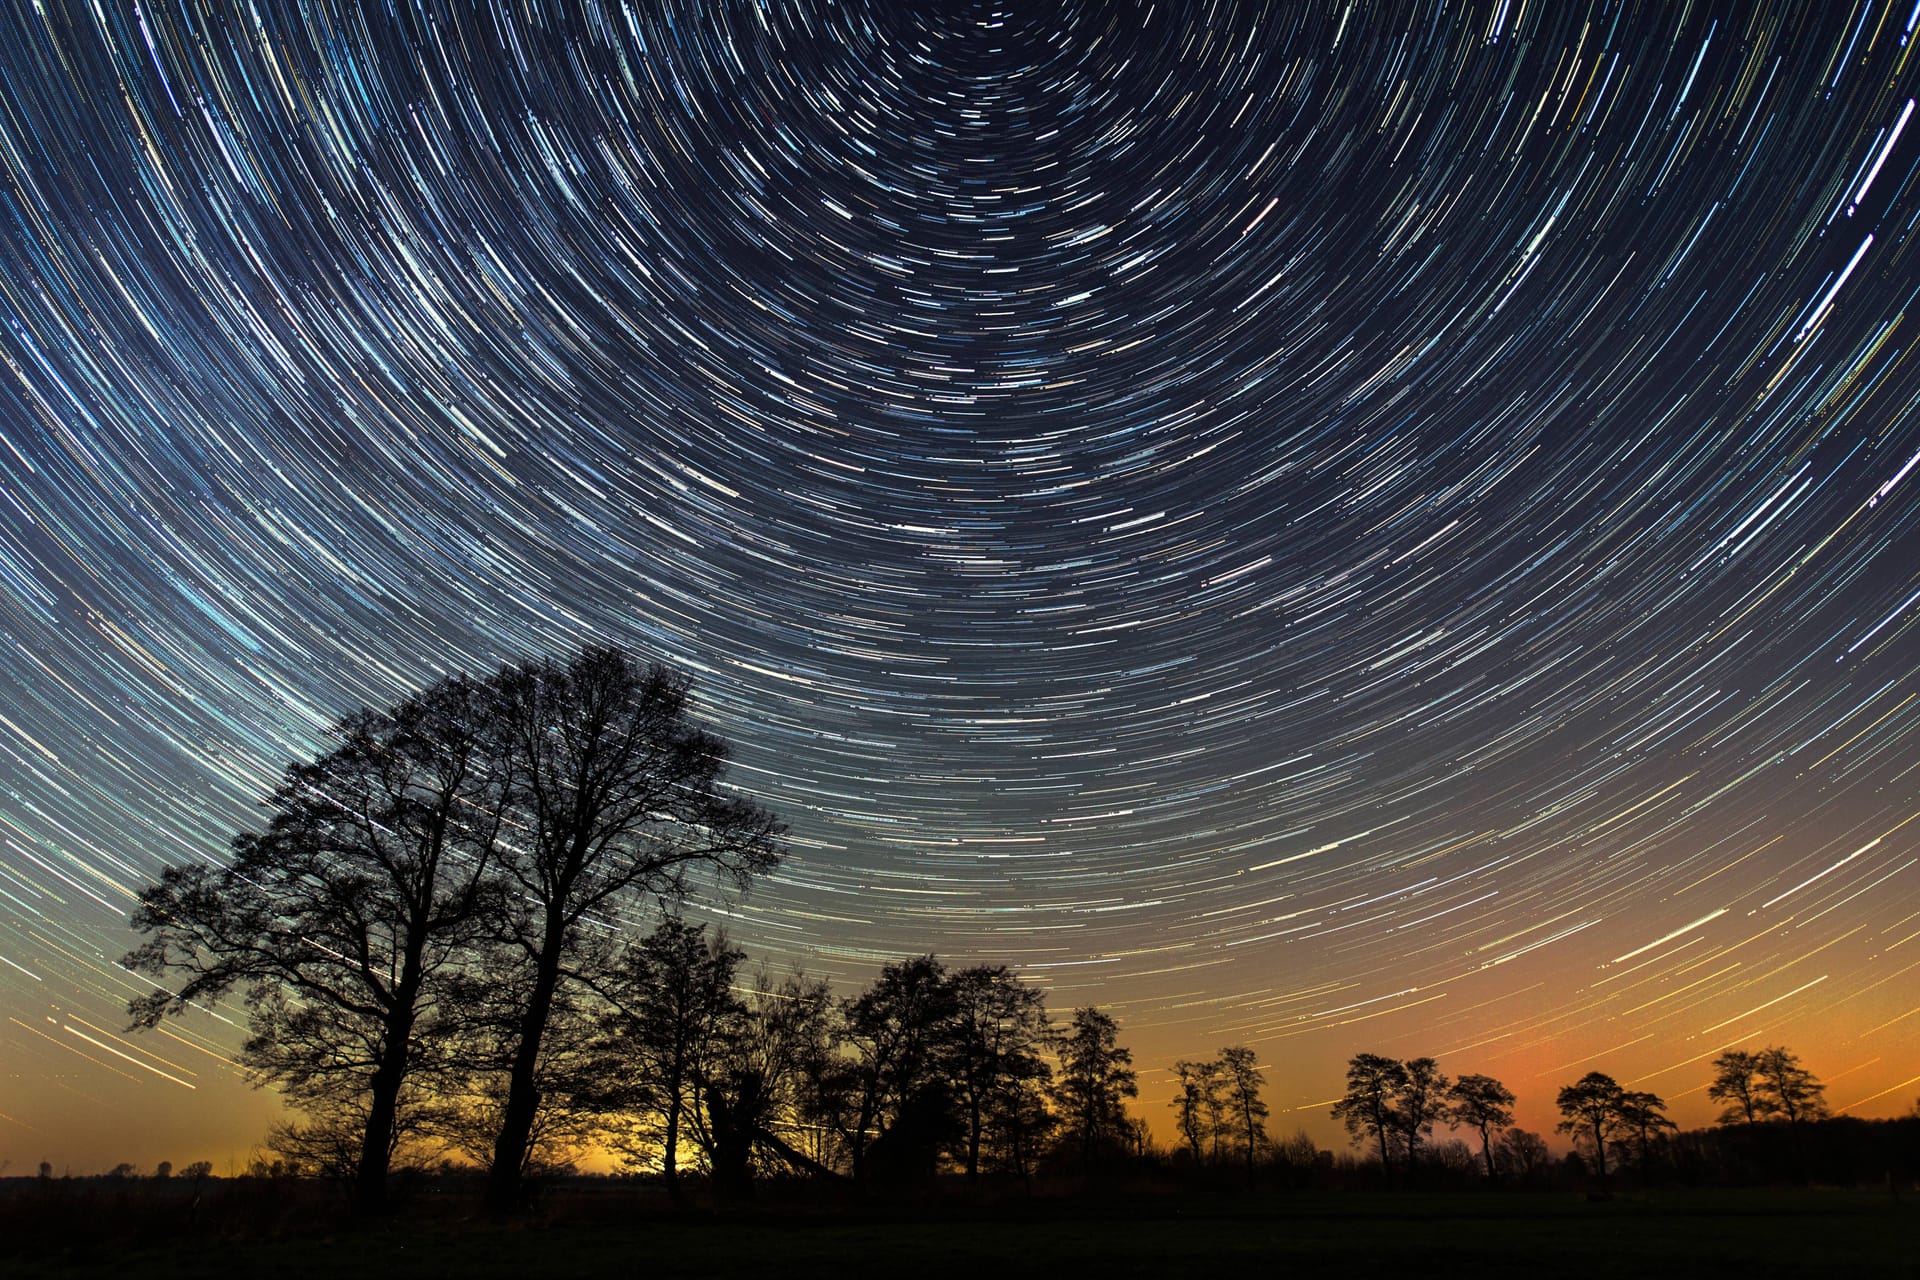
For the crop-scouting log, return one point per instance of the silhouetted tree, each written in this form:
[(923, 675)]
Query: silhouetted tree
[(1523, 1151), (1482, 1104), (1643, 1115), (673, 994), (763, 1089), (1736, 1083), (339, 920), (1243, 1078), (1193, 1080), (1020, 1126), (1367, 1107), (900, 1031), (1591, 1110), (1096, 1077), (615, 796), (1789, 1090), (1419, 1099), (999, 1032)]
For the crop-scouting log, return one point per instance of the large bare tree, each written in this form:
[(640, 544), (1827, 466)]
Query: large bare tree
[(341, 918), (617, 797)]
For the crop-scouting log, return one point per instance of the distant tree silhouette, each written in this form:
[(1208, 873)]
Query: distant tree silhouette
[(1736, 1083), (673, 997), (1096, 1077), (1591, 1108), (1193, 1081), (1374, 1083), (1643, 1115), (1020, 1126), (1482, 1104), (762, 1096), (1523, 1151), (1789, 1090), (615, 796), (999, 1034), (1243, 1078), (1419, 1099), (198, 1171), (900, 1031), (341, 918)]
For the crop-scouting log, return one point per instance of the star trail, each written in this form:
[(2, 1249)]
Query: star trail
[(1321, 526)]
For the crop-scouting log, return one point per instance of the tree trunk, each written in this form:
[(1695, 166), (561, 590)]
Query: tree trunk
[(383, 1103), (1247, 1114), (1486, 1150), (670, 1146), (973, 1139), (504, 1182), (370, 1176)]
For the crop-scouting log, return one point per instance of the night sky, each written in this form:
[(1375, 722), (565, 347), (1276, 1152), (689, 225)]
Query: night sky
[(1331, 527)]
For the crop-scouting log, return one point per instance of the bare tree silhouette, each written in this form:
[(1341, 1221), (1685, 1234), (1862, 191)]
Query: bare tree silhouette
[(616, 796), (1419, 1099), (673, 997), (1367, 1107), (1736, 1083), (1096, 1076), (1243, 1077), (1482, 1104), (999, 1035), (367, 887), (1591, 1110)]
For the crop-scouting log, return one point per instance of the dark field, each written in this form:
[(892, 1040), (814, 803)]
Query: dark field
[(1693, 1234)]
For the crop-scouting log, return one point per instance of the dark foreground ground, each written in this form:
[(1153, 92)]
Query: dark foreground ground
[(1744, 1234)]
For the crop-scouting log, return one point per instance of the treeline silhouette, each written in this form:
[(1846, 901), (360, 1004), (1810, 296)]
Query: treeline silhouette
[(434, 936)]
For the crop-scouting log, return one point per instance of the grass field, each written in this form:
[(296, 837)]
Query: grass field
[(1692, 1234)]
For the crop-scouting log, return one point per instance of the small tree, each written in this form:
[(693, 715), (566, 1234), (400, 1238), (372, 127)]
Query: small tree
[(1189, 1104), (1418, 1101), (1243, 1078), (674, 995), (1523, 1151), (1789, 1090), (999, 1032), (1367, 1107), (1096, 1077), (1643, 1115), (764, 1095), (1482, 1104), (1736, 1083), (900, 1031), (1591, 1111)]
